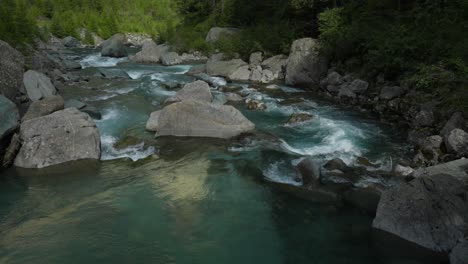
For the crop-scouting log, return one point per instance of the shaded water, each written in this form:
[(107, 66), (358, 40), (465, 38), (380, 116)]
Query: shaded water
[(179, 200)]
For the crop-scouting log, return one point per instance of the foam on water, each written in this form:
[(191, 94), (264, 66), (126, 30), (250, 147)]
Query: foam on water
[(96, 60), (135, 152), (274, 173)]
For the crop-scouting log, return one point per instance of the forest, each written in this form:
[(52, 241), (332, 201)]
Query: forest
[(420, 42)]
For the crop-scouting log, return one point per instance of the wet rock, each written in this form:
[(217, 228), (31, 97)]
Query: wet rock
[(429, 211), (459, 254), (11, 71), (217, 33), (201, 119), (92, 111), (73, 103), (305, 65), (9, 117), (38, 85), (71, 65), (71, 42), (273, 87), (198, 90), (226, 68), (336, 164), (241, 74), (366, 162), (253, 104), (11, 151), (171, 58), (457, 142), (114, 47), (67, 135), (233, 97), (424, 118), (299, 118), (127, 142), (150, 53), (114, 73), (391, 92), (152, 123), (310, 173), (44, 107), (456, 121)]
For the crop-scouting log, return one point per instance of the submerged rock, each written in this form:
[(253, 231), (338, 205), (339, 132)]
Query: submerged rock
[(336, 164), (299, 118), (430, 211), (305, 65), (44, 107), (253, 104), (38, 85), (114, 47), (11, 71), (67, 135), (201, 119)]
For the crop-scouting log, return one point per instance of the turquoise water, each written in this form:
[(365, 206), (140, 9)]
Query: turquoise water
[(173, 200)]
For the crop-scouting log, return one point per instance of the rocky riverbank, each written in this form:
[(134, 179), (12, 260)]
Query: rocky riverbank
[(53, 131)]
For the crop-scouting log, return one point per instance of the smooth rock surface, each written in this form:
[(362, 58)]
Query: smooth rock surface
[(198, 90), (38, 85), (171, 58), (152, 123), (44, 107), (200, 119), (67, 135)]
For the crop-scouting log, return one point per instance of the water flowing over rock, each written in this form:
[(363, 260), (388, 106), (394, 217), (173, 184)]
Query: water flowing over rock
[(71, 42), (217, 33), (198, 90), (305, 65), (200, 119), (114, 47), (11, 71), (67, 135), (44, 107), (38, 85), (429, 211), (224, 68)]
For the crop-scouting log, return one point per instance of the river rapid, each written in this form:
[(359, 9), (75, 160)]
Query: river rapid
[(194, 200)]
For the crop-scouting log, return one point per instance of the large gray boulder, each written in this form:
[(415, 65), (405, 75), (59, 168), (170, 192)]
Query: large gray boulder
[(44, 107), (11, 71), (277, 65), (200, 119), (152, 123), (456, 142), (305, 65), (150, 52), (64, 136), (430, 211), (459, 254), (456, 168), (171, 58), (38, 85), (71, 42), (241, 74), (224, 68), (198, 90), (391, 92), (457, 120), (217, 33), (114, 47), (9, 117)]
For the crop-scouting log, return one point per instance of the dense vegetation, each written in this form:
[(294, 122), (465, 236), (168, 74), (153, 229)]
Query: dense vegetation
[(418, 42)]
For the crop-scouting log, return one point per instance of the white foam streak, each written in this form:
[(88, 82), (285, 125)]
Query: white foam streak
[(96, 60)]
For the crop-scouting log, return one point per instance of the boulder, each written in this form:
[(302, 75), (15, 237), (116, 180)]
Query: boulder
[(11, 71), (277, 65), (73, 103), (195, 57), (198, 69), (391, 92), (254, 104), (305, 65), (200, 119), (114, 47), (171, 58), (459, 254), (424, 118), (71, 42), (217, 33), (310, 173), (456, 121), (11, 151), (241, 74), (136, 39), (456, 168), (150, 52), (9, 117), (457, 142), (233, 97), (429, 211), (64, 136), (345, 91), (333, 78), (268, 76), (198, 90), (152, 123), (336, 164), (299, 118), (71, 65), (92, 111), (256, 74), (358, 86), (224, 68), (38, 85), (44, 107), (255, 59)]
